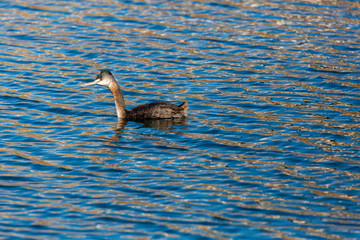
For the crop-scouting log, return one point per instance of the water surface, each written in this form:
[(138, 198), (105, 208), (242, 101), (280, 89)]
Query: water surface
[(270, 148)]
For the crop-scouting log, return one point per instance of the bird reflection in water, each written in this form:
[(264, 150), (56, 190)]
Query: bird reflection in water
[(158, 124)]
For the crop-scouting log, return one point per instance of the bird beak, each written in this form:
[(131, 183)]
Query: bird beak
[(96, 81)]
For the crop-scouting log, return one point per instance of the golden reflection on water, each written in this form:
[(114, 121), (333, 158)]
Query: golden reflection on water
[(266, 145)]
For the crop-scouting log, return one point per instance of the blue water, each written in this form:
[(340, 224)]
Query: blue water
[(270, 148)]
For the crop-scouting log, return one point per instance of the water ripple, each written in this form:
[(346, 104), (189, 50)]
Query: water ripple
[(270, 147)]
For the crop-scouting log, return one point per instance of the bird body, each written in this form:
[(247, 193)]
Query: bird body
[(156, 110)]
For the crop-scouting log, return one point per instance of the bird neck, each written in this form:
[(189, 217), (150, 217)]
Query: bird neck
[(119, 100)]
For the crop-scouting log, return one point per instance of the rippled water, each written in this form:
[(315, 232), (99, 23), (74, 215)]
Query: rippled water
[(270, 148)]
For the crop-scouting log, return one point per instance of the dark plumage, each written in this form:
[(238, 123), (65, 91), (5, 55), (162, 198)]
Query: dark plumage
[(157, 110)]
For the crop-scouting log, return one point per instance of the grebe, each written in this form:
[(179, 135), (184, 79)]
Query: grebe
[(156, 110)]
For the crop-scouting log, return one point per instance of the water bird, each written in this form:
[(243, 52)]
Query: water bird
[(156, 110)]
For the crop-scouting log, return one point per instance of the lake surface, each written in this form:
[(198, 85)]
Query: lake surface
[(270, 148)]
